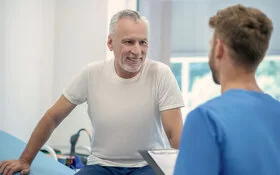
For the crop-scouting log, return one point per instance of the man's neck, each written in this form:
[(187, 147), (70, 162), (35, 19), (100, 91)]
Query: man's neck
[(246, 82)]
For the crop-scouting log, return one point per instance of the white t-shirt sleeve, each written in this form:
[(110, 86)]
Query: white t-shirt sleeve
[(77, 91), (170, 96)]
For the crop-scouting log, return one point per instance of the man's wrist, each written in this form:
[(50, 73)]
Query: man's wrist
[(25, 160)]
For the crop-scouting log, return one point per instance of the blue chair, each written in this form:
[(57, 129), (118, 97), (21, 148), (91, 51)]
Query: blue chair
[(11, 148)]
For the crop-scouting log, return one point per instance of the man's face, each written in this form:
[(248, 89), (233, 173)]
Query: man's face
[(129, 44), (212, 62)]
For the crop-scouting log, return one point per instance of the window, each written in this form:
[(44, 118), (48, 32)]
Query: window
[(195, 79)]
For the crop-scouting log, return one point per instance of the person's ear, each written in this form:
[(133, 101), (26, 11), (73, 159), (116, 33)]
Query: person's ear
[(110, 42), (220, 50)]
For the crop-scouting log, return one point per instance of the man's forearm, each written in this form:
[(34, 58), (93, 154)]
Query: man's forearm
[(174, 140), (173, 124), (45, 127), (38, 138)]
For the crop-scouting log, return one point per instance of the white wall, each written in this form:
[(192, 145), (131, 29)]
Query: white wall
[(2, 61), (28, 37), (43, 44)]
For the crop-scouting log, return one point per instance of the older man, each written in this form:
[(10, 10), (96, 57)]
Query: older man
[(130, 101)]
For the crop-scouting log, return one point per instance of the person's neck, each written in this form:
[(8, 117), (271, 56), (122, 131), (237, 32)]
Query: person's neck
[(245, 81)]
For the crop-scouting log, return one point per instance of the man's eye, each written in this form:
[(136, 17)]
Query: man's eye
[(143, 43), (128, 42)]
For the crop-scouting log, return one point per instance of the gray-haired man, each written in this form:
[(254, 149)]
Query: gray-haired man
[(130, 101)]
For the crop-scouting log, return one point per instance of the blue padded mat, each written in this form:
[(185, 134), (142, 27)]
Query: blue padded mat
[(11, 148)]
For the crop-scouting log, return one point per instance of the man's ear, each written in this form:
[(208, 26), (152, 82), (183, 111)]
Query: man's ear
[(110, 42), (220, 49)]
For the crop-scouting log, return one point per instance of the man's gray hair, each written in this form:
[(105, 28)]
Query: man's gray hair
[(125, 13)]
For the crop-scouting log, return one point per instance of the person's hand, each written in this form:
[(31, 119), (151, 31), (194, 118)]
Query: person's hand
[(9, 167)]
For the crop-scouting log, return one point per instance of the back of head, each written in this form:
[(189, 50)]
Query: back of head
[(125, 14), (246, 31)]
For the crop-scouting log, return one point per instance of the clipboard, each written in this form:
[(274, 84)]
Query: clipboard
[(162, 161)]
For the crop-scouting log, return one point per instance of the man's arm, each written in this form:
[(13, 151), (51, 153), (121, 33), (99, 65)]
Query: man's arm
[(52, 118), (172, 124)]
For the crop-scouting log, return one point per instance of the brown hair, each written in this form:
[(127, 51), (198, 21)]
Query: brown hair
[(246, 31)]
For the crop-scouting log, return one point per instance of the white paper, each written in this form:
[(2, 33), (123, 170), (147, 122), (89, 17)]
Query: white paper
[(165, 159)]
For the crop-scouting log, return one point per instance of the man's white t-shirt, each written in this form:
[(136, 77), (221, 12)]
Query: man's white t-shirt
[(125, 113)]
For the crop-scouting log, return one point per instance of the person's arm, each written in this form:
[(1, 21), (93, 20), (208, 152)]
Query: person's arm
[(172, 124), (40, 135), (199, 150)]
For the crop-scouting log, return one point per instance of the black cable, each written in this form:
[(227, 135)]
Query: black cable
[(74, 139)]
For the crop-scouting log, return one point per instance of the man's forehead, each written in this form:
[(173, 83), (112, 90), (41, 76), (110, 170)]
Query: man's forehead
[(131, 37), (130, 31)]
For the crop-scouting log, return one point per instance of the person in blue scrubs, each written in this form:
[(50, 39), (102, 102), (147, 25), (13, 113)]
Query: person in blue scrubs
[(237, 133)]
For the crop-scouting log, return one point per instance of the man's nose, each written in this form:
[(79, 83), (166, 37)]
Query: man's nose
[(136, 49)]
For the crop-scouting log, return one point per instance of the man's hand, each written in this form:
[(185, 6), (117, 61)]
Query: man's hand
[(9, 167)]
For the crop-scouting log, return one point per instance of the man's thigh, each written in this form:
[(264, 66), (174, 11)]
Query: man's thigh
[(96, 170), (146, 170)]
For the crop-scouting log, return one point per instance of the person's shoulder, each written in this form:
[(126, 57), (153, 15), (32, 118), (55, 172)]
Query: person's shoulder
[(210, 108), (156, 67), (212, 103), (210, 113), (208, 119)]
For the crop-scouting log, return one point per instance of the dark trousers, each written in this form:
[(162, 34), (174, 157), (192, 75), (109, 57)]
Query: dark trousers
[(105, 170)]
